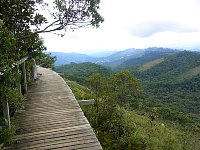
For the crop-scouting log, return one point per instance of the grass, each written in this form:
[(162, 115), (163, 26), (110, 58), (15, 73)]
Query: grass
[(79, 91), (150, 64), (190, 73)]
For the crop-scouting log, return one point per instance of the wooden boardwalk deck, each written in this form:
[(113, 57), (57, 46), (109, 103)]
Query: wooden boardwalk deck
[(52, 118)]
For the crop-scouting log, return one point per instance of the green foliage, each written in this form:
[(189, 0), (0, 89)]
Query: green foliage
[(6, 134), (41, 57), (80, 91), (8, 51), (150, 64), (150, 54), (80, 72), (168, 82), (9, 76), (125, 85), (65, 15), (119, 127), (106, 116)]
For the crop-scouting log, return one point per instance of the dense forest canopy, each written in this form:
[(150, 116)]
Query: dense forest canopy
[(175, 81), (124, 116), (80, 72)]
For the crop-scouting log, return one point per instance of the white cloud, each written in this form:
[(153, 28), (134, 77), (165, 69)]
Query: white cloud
[(135, 23), (147, 29)]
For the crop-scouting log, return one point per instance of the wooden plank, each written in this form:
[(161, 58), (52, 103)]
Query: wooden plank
[(52, 118), (52, 138), (50, 135), (52, 131)]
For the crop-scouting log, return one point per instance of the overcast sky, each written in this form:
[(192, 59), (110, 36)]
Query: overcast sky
[(135, 24)]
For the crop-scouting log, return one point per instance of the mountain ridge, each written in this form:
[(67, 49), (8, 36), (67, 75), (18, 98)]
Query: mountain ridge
[(66, 58), (114, 60)]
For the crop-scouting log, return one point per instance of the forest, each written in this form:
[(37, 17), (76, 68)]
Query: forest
[(128, 114), (175, 82)]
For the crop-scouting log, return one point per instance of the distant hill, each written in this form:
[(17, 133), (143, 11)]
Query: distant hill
[(102, 54), (66, 58), (174, 80), (117, 59), (80, 72), (147, 55)]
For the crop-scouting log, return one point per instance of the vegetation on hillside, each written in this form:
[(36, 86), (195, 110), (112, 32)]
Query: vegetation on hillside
[(123, 119), (150, 64), (149, 54), (173, 83), (80, 72)]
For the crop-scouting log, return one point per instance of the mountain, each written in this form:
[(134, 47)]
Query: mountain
[(80, 72), (174, 80), (148, 55), (102, 54), (66, 58), (113, 59), (117, 58)]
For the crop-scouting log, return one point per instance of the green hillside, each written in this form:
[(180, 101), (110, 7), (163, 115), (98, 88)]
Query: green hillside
[(175, 81), (79, 72), (137, 127), (150, 54), (150, 64)]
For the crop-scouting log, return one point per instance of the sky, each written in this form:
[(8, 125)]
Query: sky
[(135, 24)]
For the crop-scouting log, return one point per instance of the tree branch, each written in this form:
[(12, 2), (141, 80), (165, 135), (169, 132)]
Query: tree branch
[(44, 30)]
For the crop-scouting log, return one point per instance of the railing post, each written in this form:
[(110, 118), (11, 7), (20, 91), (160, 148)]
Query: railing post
[(20, 88), (34, 70), (6, 112), (5, 104), (24, 77)]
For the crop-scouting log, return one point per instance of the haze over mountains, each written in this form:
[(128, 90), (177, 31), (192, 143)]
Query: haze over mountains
[(112, 59)]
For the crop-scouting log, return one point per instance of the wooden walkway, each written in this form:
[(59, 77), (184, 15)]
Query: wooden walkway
[(52, 118)]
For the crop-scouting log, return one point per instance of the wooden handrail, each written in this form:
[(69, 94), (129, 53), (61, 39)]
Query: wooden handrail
[(19, 62), (5, 104)]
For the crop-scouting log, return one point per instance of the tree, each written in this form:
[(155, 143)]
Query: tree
[(95, 83), (65, 14), (20, 17), (73, 14), (125, 85)]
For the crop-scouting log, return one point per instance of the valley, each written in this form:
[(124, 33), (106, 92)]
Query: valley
[(168, 84)]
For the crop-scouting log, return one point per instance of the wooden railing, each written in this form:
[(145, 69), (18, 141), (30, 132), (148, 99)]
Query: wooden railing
[(5, 104)]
